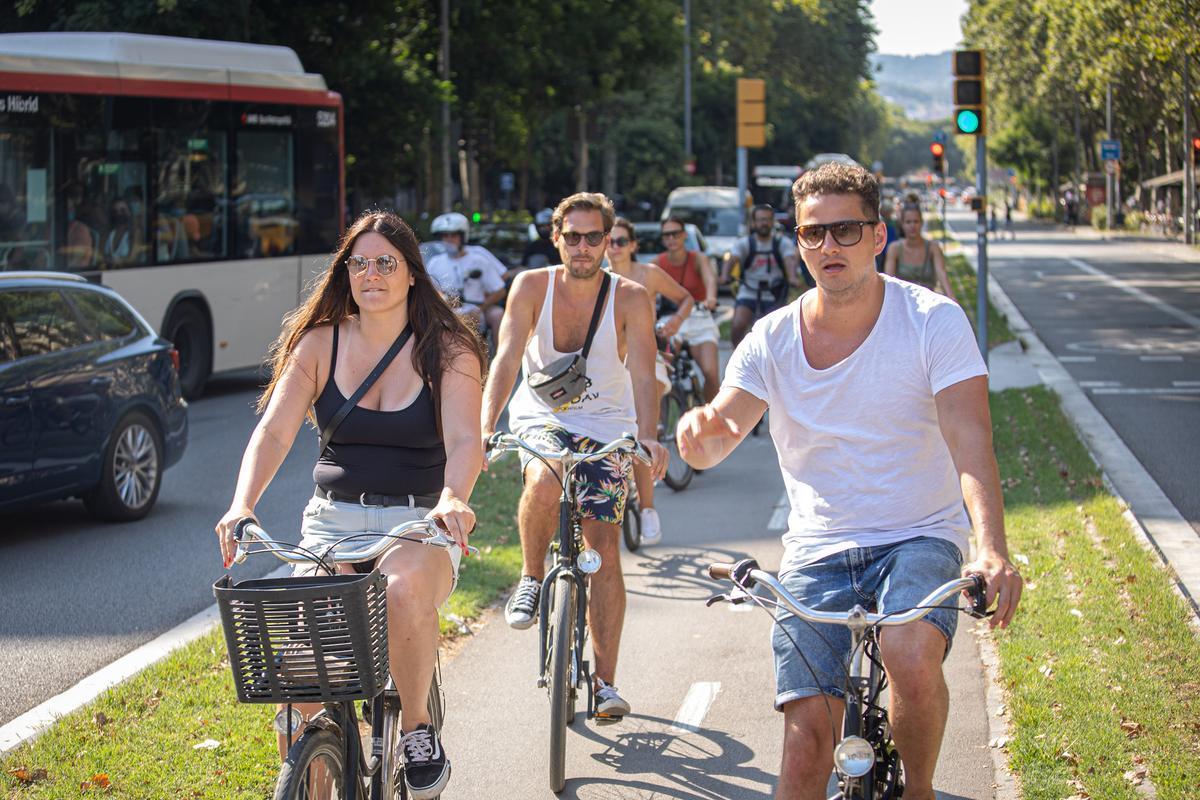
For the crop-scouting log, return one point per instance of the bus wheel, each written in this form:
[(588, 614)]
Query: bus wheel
[(189, 332)]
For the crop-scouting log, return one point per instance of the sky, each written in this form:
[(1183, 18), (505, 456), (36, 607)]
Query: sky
[(910, 28)]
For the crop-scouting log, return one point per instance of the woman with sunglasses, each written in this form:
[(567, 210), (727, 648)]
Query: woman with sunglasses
[(692, 270), (916, 259), (622, 245), (409, 448)]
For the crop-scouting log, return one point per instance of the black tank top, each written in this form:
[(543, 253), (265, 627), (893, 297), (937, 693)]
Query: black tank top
[(379, 452)]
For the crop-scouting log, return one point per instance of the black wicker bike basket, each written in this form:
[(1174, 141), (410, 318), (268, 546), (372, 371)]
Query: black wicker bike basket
[(315, 639)]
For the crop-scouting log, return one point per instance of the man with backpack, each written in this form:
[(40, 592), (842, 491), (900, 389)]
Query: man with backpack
[(769, 264)]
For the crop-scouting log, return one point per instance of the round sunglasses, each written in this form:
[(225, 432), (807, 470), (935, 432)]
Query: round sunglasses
[(385, 264)]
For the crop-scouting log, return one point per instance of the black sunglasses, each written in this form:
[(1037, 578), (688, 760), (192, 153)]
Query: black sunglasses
[(594, 238), (621, 241), (846, 233)]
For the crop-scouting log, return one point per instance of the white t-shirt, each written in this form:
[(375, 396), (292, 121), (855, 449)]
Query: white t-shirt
[(453, 278), (863, 459)]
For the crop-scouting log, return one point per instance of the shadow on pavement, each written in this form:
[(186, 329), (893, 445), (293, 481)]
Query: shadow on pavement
[(678, 573)]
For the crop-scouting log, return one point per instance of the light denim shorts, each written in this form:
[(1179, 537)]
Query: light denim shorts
[(328, 521), (894, 577)]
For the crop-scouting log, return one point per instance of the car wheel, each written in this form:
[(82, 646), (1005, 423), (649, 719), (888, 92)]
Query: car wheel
[(189, 332), (132, 471)]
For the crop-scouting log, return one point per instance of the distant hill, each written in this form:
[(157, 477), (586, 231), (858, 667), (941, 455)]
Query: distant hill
[(918, 84)]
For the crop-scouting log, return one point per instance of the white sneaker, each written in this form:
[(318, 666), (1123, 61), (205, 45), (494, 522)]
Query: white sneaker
[(610, 706), (651, 529)]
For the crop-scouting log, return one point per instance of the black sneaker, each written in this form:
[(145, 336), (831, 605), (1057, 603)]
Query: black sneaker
[(426, 768), (522, 607)]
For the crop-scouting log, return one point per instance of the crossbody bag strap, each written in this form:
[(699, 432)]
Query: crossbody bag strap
[(348, 406), (587, 343)]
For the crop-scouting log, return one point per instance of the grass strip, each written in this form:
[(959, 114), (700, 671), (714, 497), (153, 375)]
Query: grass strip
[(146, 738), (1099, 664)]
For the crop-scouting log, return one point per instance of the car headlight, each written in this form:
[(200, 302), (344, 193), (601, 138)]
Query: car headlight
[(854, 756)]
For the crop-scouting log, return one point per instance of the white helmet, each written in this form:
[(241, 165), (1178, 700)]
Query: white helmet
[(451, 223)]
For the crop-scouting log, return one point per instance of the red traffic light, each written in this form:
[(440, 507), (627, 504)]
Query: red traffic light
[(937, 148), (1196, 142)]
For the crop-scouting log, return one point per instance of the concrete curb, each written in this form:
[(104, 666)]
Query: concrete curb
[(38, 719)]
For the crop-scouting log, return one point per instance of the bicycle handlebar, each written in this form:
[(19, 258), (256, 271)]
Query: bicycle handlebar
[(501, 443), (745, 575), (427, 530)]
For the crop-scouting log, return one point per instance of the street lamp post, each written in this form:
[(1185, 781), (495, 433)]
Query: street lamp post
[(687, 80)]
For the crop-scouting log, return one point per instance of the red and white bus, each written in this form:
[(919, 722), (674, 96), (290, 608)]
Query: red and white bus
[(202, 180)]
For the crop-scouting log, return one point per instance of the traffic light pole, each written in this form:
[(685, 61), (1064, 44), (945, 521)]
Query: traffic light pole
[(981, 328)]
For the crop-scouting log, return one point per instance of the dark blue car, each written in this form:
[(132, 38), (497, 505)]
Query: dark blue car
[(90, 404)]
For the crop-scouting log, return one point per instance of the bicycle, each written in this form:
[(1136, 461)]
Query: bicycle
[(686, 392), (562, 610), (631, 524), (323, 639), (865, 759)]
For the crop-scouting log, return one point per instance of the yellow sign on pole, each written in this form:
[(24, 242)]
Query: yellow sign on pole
[(751, 112)]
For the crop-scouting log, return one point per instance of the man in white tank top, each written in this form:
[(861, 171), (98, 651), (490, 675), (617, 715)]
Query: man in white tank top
[(548, 314), (877, 499)]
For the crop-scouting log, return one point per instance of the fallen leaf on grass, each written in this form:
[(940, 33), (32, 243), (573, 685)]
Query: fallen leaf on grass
[(26, 776), (1136, 776), (99, 781), (1132, 729), (1021, 558), (1120, 640), (1047, 671), (100, 718), (1075, 612), (207, 744)]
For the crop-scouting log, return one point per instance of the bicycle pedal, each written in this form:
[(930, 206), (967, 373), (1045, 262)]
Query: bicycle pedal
[(607, 719)]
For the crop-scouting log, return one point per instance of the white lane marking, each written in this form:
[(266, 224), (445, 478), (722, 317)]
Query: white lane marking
[(1145, 297), (1077, 359), (1155, 359), (1098, 384), (779, 518), (1068, 295), (1150, 391), (695, 705), (1185, 383), (37, 719)]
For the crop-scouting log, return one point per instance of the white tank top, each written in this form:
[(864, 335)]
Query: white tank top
[(606, 410)]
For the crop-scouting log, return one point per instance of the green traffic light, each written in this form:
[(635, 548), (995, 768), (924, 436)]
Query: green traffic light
[(476, 217), (967, 121)]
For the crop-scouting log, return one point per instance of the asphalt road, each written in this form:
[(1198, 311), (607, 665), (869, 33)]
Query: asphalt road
[(77, 594), (1123, 318)]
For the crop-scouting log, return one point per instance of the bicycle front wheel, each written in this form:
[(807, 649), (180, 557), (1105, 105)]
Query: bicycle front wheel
[(679, 472), (313, 768), (631, 526), (562, 693)]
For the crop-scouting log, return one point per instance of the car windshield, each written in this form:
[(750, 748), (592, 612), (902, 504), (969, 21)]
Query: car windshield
[(711, 221)]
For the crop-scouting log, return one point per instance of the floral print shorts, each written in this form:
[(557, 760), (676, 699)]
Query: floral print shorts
[(600, 486)]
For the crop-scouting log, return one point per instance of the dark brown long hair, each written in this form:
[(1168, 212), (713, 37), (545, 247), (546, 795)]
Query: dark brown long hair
[(440, 335)]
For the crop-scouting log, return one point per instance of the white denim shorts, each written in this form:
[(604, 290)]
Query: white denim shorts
[(700, 327), (328, 521)]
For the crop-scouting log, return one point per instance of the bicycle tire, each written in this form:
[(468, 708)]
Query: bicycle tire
[(562, 693), (315, 745), (679, 473), (388, 781), (631, 525)]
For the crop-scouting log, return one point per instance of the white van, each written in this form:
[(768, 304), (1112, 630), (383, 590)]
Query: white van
[(715, 210)]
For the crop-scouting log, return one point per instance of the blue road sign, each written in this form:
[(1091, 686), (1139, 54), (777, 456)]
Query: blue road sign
[(1110, 149), (507, 182)]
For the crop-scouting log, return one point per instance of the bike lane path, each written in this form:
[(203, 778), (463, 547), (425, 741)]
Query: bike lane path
[(700, 680)]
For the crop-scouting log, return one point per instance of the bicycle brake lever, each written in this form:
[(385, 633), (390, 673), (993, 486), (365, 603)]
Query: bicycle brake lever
[(978, 595), (736, 597)]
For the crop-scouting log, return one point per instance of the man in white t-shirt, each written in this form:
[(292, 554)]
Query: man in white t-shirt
[(877, 499), (467, 273)]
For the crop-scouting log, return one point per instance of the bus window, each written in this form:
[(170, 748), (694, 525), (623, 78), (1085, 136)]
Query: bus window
[(318, 179), (189, 220), (264, 200), (26, 199)]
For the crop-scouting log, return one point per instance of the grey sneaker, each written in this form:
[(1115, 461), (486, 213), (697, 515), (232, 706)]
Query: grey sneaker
[(522, 607), (651, 528), (610, 706)]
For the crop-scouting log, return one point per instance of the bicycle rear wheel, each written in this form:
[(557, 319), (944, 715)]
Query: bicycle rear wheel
[(313, 768), (679, 472), (562, 693)]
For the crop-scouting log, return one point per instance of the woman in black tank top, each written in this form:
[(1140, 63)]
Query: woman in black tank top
[(412, 440)]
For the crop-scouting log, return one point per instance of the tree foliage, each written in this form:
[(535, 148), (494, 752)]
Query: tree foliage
[(536, 86), (1058, 69)]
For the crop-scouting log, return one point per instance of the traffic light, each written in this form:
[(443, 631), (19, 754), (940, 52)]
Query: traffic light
[(1196, 147), (968, 92), (938, 151), (751, 112)]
